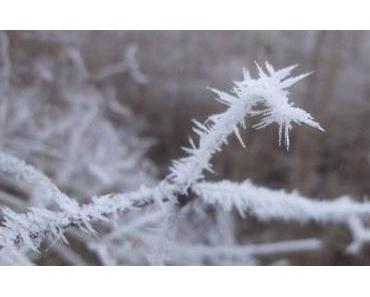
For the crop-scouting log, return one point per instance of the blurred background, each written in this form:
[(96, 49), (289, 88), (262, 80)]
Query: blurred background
[(162, 79)]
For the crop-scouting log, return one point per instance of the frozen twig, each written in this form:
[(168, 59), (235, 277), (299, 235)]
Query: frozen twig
[(31, 228), (41, 185), (266, 204), (269, 90)]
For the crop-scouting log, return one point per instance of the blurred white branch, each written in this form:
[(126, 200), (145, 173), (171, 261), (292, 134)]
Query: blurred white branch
[(128, 64), (250, 250)]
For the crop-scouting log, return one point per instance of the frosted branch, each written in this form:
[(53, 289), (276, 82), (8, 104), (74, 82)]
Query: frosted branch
[(266, 204), (40, 183), (269, 90), (37, 224)]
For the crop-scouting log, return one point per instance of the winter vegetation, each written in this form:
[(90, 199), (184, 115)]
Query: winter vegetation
[(80, 184)]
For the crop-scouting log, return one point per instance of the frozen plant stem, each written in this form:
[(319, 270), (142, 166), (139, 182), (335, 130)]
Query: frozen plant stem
[(246, 99), (267, 205)]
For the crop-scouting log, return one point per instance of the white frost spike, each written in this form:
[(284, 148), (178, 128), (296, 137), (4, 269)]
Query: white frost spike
[(237, 133), (291, 81), (269, 68), (246, 74), (270, 90)]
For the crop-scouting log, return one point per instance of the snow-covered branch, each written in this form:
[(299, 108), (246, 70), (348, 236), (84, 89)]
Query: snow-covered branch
[(266, 95), (31, 228), (40, 184), (266, 204), (37, 224)]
